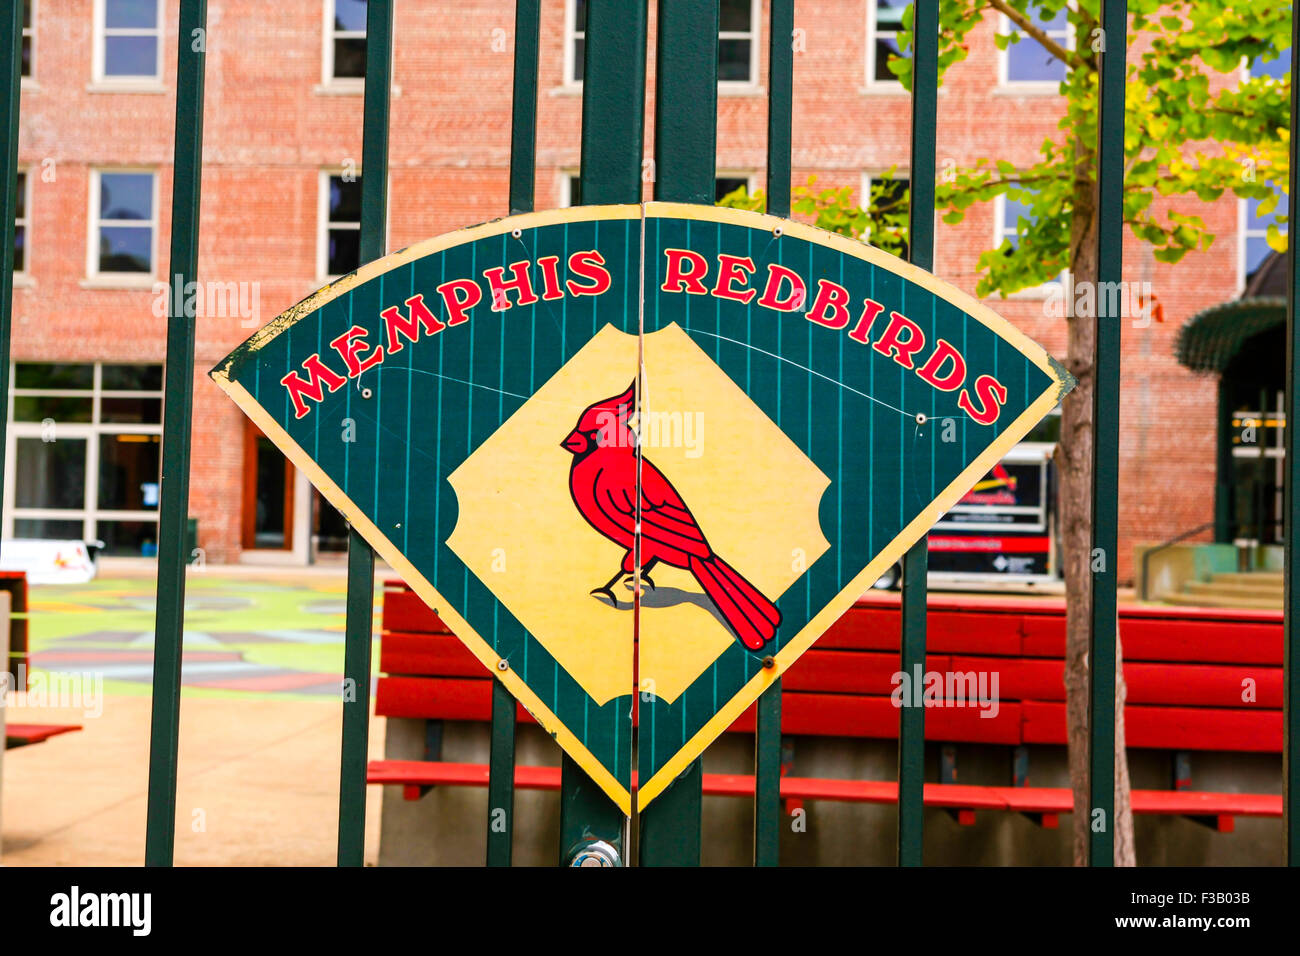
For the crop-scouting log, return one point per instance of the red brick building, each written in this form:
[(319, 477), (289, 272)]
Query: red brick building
[(282, 142)]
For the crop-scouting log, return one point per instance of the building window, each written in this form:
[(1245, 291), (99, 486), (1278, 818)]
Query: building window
[(737, 41), (29, 37), (884, 21), (345, 41), (339, 245), (1026, 62), (1254, 247), (893, 197), (570, 190), (1277, 68), (1008, 213), (724, 184), (22, 222), (128, 41), (85, 443), (123, 210), (575, 50)]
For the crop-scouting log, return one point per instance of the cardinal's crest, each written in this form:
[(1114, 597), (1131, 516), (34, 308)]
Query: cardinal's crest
[(813, 405)]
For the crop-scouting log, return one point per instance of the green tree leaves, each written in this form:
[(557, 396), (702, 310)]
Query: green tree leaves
[(1197, 127)]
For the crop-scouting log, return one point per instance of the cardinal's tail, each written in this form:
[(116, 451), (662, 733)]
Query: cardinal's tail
[(752, 617)]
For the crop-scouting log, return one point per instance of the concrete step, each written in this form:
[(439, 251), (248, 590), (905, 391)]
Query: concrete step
[(1224, 600), (1250, 577), (1240, 589)]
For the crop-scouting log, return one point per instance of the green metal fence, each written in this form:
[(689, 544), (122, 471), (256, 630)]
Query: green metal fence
[(611, 172)]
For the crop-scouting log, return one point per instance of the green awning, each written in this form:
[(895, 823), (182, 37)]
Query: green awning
[(1210, 338)]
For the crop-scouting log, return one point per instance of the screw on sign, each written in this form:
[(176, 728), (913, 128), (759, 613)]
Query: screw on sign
[(514, 370), (596, 853)]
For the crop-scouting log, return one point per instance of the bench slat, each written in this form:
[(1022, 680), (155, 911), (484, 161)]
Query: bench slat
[(1191, 685), (404, 610), (1046, 800), (862, 672), (440, 655), (1170, 728), (1208, 641), (434, 698), (20, 735)]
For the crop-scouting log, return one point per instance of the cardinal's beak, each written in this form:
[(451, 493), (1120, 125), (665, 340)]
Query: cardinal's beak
[(574, 443)]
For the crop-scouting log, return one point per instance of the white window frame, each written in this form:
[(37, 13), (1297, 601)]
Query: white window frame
[(328, 35), (571, 35), (565, 191), (90, 513), (30, 34), (26, 222), (748, 175), (101, 32), (1245, 234), (323, 223), (1245, 65), (1028, 86), (753, 36), (93, 223), (873, 84), (1042, 290)]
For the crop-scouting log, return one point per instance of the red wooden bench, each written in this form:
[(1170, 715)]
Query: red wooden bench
[(1184, 668), (21, 735)]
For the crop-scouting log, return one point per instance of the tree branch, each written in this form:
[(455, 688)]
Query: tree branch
[(1037, 32), (1018, 181)]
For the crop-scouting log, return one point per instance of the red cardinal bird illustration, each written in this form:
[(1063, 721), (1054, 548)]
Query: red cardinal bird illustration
[(602, 481)]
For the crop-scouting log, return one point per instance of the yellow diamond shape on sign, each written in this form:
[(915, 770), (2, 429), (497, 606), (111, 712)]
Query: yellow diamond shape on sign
[(521, 533)]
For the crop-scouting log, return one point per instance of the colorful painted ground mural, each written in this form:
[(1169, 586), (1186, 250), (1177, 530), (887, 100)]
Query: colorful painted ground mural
[(243, 636)]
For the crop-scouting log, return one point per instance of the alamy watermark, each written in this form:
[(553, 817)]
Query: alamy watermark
[(946, 689), (75, 908), (655, 430), (78, 691), (209, 300), (1114, 300)]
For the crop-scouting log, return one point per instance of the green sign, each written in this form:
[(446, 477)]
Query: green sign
[(641, 458)]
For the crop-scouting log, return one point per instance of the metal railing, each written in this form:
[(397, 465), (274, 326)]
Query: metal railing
[(1145, 592)]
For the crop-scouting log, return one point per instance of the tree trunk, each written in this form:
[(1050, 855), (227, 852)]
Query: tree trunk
[(1074, 468)]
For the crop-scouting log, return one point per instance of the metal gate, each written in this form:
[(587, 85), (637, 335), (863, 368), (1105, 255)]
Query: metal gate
[(611, 172)]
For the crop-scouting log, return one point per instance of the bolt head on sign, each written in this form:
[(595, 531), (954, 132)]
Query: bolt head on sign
[(678, 451)]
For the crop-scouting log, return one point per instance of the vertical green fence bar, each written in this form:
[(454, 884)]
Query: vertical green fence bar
[(169, 621), (523, 121), (686, 139), (613, 116), (1291, 510), (1105, 448), (11, 33), (780, 104), (523, 148), (916, 563), (361, 559)]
